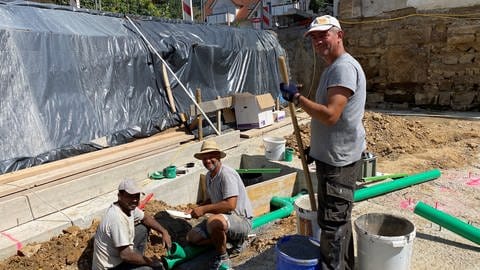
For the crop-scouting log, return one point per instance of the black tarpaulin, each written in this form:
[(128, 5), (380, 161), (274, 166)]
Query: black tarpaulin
[(70, 76)]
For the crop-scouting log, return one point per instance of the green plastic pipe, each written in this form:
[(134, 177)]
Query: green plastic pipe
[(366, 193), (383, 177), (182, 254), (260, 170), (449, 222), (285, 205)]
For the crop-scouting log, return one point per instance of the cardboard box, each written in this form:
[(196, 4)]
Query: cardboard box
[(278, 116), (253, 111)]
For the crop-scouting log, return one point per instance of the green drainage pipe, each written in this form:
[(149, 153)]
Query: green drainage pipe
[(366, 193), (384, 177), (285, 205), (449, 222), (179, 254)]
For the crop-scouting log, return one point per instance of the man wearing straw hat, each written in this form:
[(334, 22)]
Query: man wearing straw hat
[(229, 208)]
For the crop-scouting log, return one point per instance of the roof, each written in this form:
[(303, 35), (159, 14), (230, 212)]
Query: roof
[(245, 7)]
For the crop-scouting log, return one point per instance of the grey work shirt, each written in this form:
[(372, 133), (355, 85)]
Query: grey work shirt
[(227, 183), (344, 142)]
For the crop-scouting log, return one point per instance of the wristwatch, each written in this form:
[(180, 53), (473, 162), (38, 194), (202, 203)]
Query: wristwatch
[(296, 99)]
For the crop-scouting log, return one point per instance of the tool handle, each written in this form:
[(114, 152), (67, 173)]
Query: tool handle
[(296, 129)]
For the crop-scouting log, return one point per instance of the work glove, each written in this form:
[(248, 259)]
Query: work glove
[(289, 91), (308, 158)]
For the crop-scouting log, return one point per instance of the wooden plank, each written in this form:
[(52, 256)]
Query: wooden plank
[(34, 171), (72, 167), (260, 194), (256, 132), (212, 105)]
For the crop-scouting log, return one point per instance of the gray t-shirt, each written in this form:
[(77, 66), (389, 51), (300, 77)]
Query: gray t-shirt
[(227, 183), (344, 142), (116, 230)]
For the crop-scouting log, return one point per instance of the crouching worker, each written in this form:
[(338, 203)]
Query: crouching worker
[(122, 235), (228, 206)]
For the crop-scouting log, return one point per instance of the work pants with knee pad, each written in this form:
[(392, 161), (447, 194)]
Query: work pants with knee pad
[(336, 186)]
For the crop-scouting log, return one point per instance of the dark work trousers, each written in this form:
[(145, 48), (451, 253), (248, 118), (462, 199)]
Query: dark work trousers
[(139, 244), (336, 186)]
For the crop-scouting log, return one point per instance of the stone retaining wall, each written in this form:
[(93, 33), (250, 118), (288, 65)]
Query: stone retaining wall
[(429, 61)]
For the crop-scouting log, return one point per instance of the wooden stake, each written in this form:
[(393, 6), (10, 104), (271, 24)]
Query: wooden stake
[(168, 89), (219, 119), (198, 97)]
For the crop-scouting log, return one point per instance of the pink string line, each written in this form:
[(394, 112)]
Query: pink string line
[(9, 236), (474, 182)]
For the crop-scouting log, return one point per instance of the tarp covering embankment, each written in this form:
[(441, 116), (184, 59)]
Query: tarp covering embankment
[(70, 76)]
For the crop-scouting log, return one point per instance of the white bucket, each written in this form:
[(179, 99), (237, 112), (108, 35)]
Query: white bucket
[(274, 148), (384, 242), (306, 218)]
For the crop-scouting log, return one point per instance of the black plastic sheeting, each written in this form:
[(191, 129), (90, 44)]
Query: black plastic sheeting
[(69, 76)]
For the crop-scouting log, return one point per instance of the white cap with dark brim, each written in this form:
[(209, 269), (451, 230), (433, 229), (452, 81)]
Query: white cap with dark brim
[(129, 186), (323, 23)]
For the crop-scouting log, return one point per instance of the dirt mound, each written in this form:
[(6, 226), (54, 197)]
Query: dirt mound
[(436, 142)]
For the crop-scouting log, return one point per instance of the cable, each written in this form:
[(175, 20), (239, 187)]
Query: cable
[(40, 198), (434, 15), (174, 75)]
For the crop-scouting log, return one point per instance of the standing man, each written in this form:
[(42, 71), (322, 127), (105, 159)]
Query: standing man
[(122, 235), (229, 206), (337, 138)]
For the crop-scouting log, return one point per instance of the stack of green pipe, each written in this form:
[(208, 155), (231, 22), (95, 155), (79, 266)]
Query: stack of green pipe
[(366, 193)]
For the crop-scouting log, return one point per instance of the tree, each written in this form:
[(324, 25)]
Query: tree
[(159, 8)]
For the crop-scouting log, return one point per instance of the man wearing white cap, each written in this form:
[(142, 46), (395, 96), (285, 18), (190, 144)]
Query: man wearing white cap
[(229, 208), (337, 138), (122, 234)]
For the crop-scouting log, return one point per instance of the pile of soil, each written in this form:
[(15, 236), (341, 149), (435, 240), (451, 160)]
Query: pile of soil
[(408, 144), (419, 143)]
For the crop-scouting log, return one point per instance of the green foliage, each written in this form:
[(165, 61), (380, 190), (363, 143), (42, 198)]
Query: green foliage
[(316, 5), (164, 9)]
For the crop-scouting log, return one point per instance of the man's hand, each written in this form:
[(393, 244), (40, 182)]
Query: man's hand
[(289, 91), (166, 240), (196, 212)]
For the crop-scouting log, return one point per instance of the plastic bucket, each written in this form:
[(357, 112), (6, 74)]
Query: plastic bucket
[(289, 154), (306, 218), (384, 241), (170, 171), (274, 148), (297, 252)]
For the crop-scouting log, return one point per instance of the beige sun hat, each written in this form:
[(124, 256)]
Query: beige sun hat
[(209, 146)]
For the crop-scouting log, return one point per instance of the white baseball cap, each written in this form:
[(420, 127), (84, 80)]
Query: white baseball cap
[(323, 23), (129, 186)]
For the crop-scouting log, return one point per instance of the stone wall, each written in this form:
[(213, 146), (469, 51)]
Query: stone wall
[(428, 61)]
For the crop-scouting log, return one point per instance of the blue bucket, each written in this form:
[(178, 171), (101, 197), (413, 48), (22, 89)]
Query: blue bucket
[(297, 252)]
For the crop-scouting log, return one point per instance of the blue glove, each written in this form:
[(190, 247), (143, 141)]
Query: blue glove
[(289, 92)]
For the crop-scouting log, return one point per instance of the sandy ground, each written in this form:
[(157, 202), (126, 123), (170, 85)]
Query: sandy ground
[(401, 145)]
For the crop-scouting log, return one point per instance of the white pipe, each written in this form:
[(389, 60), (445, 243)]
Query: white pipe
[(174, 75)]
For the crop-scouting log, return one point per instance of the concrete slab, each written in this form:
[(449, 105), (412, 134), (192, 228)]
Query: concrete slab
[(15, 211)]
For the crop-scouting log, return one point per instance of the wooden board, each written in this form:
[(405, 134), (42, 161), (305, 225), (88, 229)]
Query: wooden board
[(260, 194), (212, 105), (87, 163), (256, 132)]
